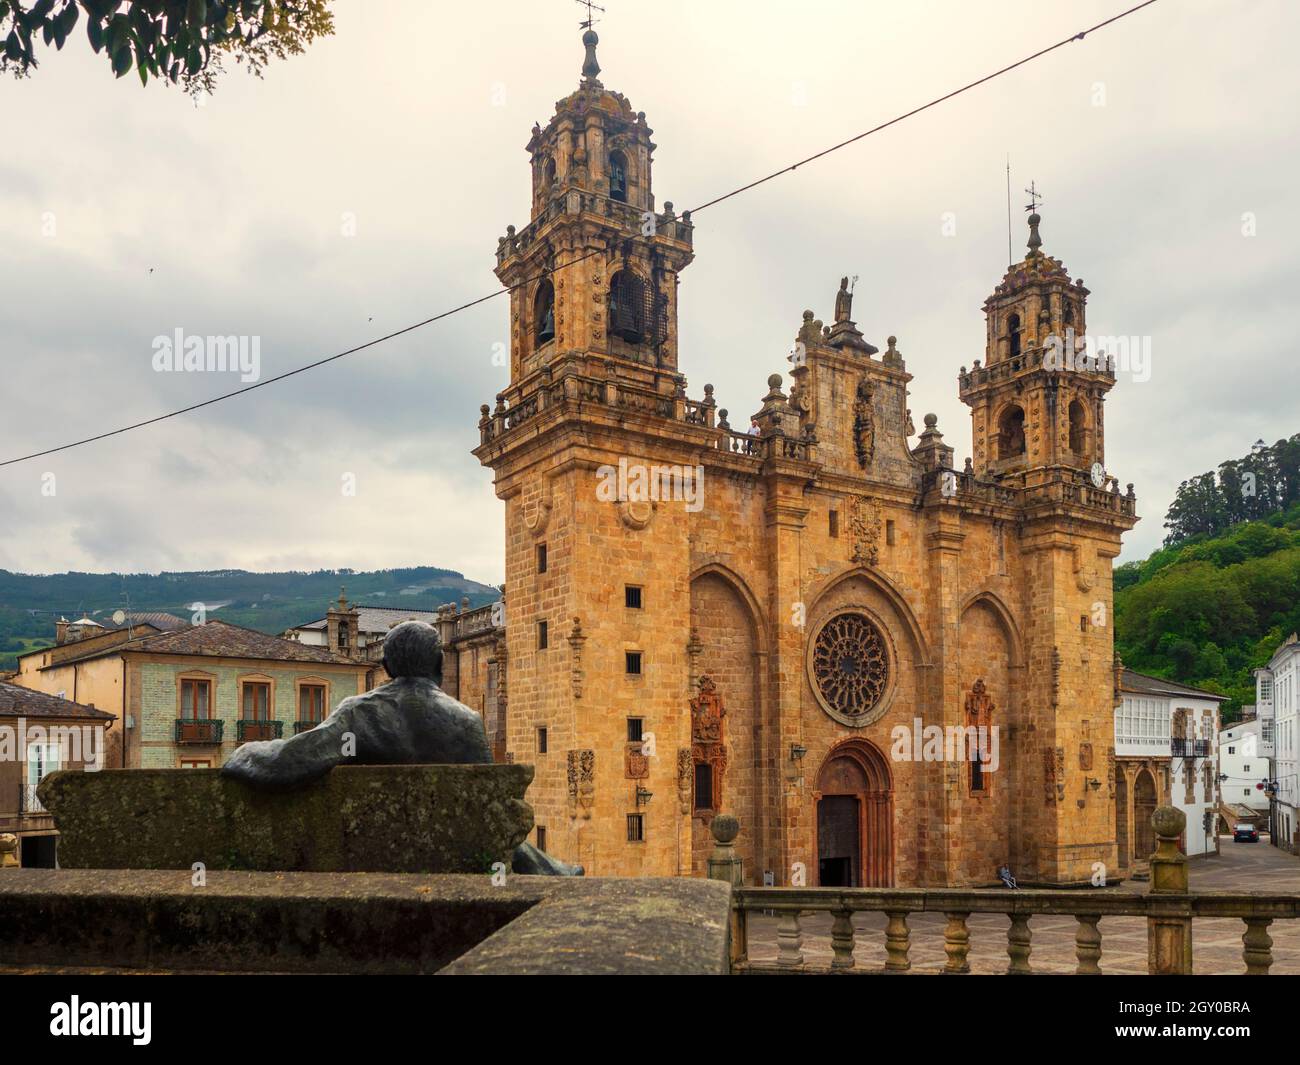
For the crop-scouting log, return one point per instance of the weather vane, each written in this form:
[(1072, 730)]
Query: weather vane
[(587, 23), (1035, 201)]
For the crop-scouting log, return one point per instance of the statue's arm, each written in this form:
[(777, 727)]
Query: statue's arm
[(282, 765)]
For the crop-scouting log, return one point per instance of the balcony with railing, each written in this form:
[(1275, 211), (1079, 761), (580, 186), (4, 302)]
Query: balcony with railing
[(30, 801), (1168, 910), (248, 729), (1181, 747), (199, 730)]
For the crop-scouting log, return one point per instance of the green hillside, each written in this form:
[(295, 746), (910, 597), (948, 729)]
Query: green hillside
[(272, 602), (1209, 608)]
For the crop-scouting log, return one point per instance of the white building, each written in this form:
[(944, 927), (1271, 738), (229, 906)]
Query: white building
[(1246, 760), (1278, 686), (1166, 753)]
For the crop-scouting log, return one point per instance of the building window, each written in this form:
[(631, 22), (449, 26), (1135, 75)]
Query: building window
[(544, 313), (343, 634), (632, 597), (541, 558), (634, 725), (541, 740), (1013, 333), (835, 524), (541, 636), (1011, 433), (627, 306), (311, 702), (703, 786), (196, 698), (889, 532), (632, 660), (196, 763), (618, 177), (636, 828), (1265, 689), (1245, 767), (1076, 427), (1232, 750), (541, 837), (42, 760), (1083, 622), (256, 701)]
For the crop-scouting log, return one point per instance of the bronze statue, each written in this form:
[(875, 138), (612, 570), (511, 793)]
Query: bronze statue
[(408, 721)]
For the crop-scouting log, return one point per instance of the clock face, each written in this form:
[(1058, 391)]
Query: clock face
[(1098, 474)]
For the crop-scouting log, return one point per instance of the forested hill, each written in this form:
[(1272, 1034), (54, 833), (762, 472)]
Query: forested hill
[(1263, 483), (272, 602), (1208, 609)]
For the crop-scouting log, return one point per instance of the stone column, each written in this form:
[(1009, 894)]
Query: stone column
[(724, 864), (1169, 927)]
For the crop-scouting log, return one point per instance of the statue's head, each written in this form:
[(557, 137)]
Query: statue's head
[(412, 649)]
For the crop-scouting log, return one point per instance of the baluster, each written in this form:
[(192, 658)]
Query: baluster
[(1087, 943), (1258, 945), (956, 943), (842, 939), (898, 941), (1018, 937), (789, 941)]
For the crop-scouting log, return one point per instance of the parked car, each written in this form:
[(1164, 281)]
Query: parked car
[(1244, 833)]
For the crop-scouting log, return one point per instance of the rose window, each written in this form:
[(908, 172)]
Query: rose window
[(850, 664)]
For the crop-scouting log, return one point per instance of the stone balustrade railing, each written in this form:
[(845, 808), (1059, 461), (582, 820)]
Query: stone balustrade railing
[(1256, 912), (474, 622), (1031, 359), (1168, 907), (575, 201), (515, 408), (1075, 487)]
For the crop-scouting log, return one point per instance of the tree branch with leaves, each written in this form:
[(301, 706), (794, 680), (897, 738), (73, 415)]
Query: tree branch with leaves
[(178, 41)]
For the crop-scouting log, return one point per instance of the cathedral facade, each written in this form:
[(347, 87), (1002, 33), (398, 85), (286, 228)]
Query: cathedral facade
[(791, 617)]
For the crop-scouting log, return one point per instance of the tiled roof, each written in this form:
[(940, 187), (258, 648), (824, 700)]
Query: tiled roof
[(1144, 685), (221, 639), (159, 619), (380, 618), (23, 702)]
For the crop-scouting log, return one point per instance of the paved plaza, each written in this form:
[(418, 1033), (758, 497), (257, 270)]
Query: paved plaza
[(1244, 867)]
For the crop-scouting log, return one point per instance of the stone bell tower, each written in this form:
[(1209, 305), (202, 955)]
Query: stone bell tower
[(595, 271), (597, 610), (1036, 401)]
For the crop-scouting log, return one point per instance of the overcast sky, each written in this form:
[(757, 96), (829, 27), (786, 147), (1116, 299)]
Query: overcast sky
[(128, 212)]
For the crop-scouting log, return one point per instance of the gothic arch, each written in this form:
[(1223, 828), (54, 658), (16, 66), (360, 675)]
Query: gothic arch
[(920, 647), (741, 588), (728, 645), (999, 609), (854, 803)]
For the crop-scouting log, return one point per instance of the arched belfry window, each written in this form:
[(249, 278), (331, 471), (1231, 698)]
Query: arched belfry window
[(544, 313), (1011, 433), (1078, 422), (1013, 334), (1069, 313), (618, 176), (548, 174), (627, 306)]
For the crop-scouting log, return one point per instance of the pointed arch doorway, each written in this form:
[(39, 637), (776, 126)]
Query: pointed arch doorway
[(855, 817)]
